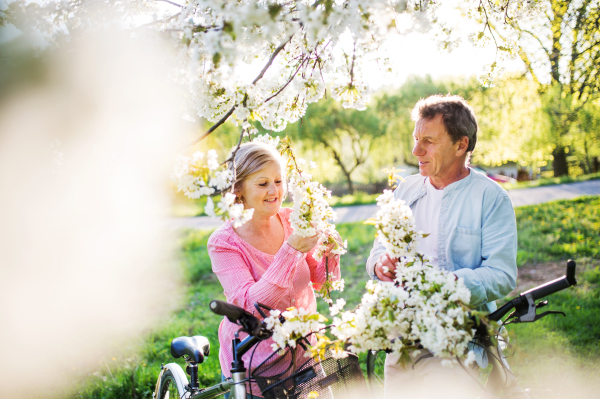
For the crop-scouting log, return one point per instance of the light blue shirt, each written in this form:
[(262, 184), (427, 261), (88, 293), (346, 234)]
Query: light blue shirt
[(477, 235)]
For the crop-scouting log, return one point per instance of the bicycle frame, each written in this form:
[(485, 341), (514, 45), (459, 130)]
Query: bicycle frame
[(235, 384)]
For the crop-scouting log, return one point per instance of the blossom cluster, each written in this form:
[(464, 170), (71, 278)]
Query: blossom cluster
[(201, 175), (298, 323), (331, 284), (311, 211), (306, 46), (311, 215), (327, 240), (423, 308), (227, 209), (395, 226)]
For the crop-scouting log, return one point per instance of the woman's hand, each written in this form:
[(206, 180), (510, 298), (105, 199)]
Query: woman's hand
[(302, 244)]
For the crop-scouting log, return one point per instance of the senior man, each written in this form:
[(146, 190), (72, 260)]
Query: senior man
[(472, 233)]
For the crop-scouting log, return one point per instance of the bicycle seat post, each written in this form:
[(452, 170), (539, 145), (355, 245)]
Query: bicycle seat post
[(192, 370), (238, 370)]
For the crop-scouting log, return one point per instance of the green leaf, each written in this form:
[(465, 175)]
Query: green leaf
[(274, 10)]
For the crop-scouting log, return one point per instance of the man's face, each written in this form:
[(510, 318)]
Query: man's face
[(434, 149)]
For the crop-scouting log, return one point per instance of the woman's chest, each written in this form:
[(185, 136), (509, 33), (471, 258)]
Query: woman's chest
[(266, 243)]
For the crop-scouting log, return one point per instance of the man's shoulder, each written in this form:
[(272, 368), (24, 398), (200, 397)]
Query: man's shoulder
[(409, 184), (487, 184), (414, 179)]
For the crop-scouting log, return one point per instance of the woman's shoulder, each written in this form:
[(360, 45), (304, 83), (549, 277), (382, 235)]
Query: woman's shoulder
[(285, 212), (224, 235), (284, 215)]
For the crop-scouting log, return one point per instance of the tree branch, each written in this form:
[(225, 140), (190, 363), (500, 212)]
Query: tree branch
[(539, 41), (270, 62), (158, 21), (288, 82), (172, 3), (230, 112), (213, 127), (352, 66), (487, 25)]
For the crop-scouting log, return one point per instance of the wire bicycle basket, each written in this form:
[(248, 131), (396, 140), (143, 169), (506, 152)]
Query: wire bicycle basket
[(288, 374)]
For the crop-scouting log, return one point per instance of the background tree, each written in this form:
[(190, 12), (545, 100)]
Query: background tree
[(346, 134), (561, 51), (512, 127), (394, 107)]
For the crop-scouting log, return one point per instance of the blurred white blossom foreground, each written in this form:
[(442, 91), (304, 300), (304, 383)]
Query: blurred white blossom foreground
[(85, 150)]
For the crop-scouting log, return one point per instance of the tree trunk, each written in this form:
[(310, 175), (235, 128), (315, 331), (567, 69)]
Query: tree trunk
[(559, 162), (350, 185)]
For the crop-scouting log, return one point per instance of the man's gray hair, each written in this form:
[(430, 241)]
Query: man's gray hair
[(458, 117)]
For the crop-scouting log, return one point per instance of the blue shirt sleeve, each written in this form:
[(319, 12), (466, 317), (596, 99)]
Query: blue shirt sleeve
[(497, 275)]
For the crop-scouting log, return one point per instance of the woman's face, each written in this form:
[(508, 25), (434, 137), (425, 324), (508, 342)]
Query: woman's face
[(263, 190)]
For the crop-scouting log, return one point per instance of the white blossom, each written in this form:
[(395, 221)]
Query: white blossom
[(267, 139), (297, 323), (424, 304), (396, 227)]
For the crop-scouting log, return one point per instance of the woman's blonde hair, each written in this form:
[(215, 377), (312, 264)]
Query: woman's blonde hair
[(253, 157)]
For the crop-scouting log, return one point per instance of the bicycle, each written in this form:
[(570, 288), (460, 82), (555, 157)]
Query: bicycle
[(501, 381), (281, 375)]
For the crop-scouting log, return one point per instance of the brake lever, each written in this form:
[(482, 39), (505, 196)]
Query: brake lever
[(539, 316), (527, 312), (513, 318)]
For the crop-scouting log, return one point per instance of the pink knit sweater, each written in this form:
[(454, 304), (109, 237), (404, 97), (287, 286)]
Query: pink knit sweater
[(249, 275)]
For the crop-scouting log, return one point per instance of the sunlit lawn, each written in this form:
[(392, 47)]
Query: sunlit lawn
[(553, 231)]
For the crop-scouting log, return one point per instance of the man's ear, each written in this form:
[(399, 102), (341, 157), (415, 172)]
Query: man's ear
[(463, 144)]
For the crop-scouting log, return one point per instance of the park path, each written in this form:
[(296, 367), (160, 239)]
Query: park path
[(519, 197)]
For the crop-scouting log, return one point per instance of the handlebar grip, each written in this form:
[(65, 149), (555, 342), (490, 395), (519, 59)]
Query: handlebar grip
[(571, 272), (555, 285), (232, 312), (549, 288), (538, 292)]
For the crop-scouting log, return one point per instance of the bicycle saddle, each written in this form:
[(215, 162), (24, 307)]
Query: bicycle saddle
[(196, 348)]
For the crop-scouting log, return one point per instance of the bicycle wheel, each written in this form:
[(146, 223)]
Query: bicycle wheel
[(171, 383), (375, 372)]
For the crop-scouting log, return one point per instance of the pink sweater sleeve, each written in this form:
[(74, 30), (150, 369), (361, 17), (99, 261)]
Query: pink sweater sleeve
[(317, 269), (230, 264)]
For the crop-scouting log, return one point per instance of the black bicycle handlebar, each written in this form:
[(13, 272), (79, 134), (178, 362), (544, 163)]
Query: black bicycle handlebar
[(539, 292), (232, 312), (555, 285), (250, 323)]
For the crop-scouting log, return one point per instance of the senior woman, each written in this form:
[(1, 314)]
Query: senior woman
[(263, 260)]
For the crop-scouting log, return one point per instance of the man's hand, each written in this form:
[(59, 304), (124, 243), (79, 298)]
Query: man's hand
[(385, 268)]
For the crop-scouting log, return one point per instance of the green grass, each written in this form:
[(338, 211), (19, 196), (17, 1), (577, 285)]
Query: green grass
[(545, 352), (559, 230), (134, 375), (561, 353), (550, 181)]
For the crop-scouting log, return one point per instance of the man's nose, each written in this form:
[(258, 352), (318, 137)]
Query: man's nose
[(417, 149)]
